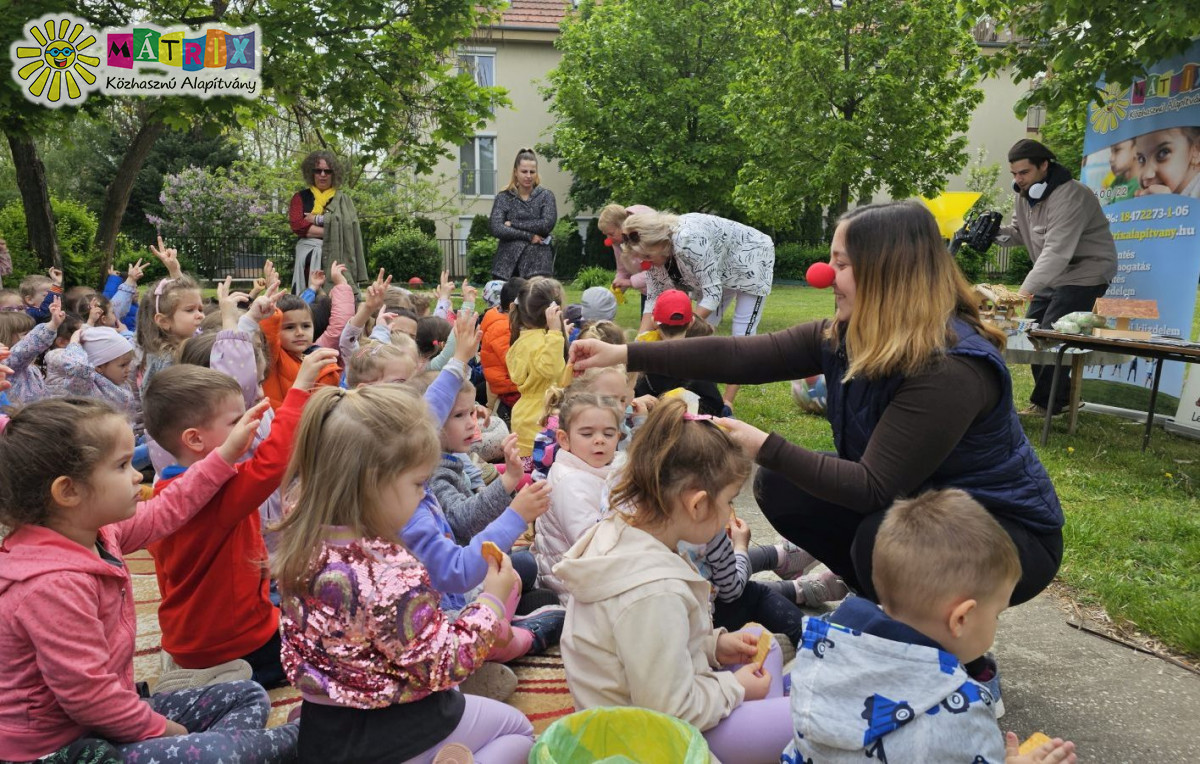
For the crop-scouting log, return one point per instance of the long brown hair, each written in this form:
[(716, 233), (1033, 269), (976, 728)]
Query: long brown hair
[(523, 154), (350, 444), (671, 454), (164, 298), (907, 288)]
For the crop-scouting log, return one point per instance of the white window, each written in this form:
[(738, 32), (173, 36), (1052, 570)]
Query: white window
[(464, 230), (482, 66), (477, 166)]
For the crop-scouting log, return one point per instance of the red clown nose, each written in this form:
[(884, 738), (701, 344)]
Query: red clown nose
[(608, 241), (819, 275), (647, 265)]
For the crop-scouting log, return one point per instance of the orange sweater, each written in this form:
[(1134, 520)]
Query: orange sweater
[(212, 572), (283, 366), (493, 350)]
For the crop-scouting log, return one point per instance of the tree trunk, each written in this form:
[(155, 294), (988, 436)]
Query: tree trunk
[(116, 196), (35, 197), (839, 208)]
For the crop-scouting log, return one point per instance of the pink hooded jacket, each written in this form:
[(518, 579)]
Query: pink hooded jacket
[(67, 626)]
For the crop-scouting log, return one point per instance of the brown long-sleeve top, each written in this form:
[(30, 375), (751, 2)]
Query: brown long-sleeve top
[(925, 420)]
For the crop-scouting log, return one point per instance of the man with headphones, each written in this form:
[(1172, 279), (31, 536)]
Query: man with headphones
[(1059, 220)]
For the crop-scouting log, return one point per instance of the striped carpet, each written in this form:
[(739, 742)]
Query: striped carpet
[(541, 694)]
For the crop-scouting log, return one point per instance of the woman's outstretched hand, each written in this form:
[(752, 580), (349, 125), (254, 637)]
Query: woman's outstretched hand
[(596, 354)]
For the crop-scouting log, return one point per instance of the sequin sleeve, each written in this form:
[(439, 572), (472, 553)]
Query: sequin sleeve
[(423, 642)]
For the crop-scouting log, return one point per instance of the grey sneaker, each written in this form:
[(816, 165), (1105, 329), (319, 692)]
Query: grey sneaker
[(491, 680)]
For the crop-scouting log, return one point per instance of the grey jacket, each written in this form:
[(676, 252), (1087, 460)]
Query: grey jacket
[(527, 218), (1067, 236), (858, 697), (468, 512)]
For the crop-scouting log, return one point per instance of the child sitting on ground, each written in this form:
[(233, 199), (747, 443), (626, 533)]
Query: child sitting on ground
[(96, 364), (609, 382), (69, 494), (374, 657), (215, 604), (493, 351), (28, 341), (589, 426), (634, 598), (673, 314), (536, 356), (888, 681), (38, 291)]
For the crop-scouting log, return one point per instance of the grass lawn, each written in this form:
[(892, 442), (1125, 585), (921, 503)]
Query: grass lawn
[(1133, 520)]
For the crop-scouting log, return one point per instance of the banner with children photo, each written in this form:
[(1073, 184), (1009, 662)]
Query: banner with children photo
[(1142, 159)]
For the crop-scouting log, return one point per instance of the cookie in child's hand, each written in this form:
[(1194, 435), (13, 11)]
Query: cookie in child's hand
[(492, 553), (1031, 745), (764, 647)]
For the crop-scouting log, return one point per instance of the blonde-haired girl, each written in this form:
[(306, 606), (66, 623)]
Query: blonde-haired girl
[(587, 432), (374, 657), (537, 356), (633, 596)]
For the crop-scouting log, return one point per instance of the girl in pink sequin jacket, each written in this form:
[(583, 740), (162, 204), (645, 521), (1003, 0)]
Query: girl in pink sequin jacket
[(364, 640)]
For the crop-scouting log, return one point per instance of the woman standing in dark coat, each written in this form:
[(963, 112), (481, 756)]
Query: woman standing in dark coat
[(523, 217)]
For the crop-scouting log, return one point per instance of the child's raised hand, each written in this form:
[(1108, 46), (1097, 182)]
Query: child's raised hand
[(263, 306), (376, 292), (269, 273), (739, 533), (57, 314), (242, 435), (445, 287), (337, 272), (514, 468), (469, 294), (1050, 752), (500, 581), (756, 684), (734, 647), (135, 272), (467, 336), (533, 500), (316, 280), (228, 302), (169, 257), (596, 354), (312, 366), (95, 313), (554, 321)]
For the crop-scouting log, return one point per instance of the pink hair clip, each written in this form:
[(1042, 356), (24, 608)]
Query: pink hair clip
[(158, 290), (690, 417)]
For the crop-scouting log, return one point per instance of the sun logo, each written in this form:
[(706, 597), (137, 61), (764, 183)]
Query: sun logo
[(1107, 116), (50, 65)]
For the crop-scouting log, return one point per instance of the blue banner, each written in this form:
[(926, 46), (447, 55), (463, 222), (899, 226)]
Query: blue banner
[(1142, 159)]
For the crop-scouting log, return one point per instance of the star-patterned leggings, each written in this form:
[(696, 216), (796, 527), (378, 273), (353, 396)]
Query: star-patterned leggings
[(226, 723)]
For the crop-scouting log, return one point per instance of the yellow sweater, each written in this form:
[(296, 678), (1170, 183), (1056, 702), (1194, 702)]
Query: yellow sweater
[(535, 363)]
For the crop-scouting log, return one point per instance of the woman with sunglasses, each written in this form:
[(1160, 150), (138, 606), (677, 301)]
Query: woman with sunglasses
[(326, 222), (523, 217), (717, 261)]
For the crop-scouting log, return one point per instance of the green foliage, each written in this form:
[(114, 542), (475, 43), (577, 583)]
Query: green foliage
[(638, 101), (1062, 132), (792, 260), (480, 229), (875, 96), (593, 277), (76, 229), (594, 251), (199, 201), (480, 255), (568, 249), (1080, 43), (1019, 265), (971, 263), (407, 252), (128, 253), (425, 226), (985, 179)]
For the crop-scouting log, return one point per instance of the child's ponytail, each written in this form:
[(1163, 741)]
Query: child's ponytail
[(672, 453)]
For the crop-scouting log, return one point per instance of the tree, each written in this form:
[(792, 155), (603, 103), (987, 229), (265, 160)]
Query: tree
[(1066, 46), (382, 74), (638, 98), (841, 99)]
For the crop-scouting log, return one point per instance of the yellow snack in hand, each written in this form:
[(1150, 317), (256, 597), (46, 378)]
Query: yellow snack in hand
[(492, 553), (764, 647), (1031, 744)]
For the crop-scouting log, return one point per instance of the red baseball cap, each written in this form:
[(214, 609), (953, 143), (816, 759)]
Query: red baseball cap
[(673, 308)]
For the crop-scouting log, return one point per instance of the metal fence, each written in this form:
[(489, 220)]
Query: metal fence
[(214, 257), (997, 265)]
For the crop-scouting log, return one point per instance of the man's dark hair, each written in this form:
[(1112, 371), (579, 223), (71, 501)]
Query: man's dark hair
[(1027, 148)]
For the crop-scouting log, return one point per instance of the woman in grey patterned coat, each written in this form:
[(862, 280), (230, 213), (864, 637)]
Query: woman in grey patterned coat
[(523, 216), (716, 261)]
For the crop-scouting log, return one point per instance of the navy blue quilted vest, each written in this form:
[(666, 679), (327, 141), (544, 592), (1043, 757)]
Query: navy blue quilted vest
[(994, 461)]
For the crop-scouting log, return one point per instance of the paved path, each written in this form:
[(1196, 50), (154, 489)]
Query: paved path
[(1118, 705)]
